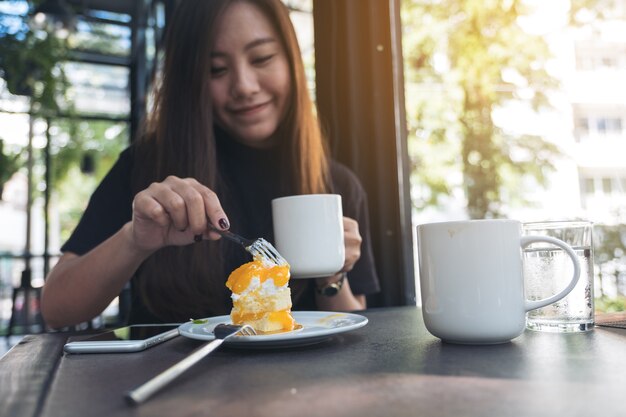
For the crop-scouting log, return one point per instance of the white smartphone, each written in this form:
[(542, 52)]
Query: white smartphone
[(132, 338)]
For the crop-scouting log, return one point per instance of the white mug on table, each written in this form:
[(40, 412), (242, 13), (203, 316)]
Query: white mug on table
[(471, 279), (308, 233)]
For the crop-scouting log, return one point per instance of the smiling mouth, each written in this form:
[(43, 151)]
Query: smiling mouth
[(249, 110)]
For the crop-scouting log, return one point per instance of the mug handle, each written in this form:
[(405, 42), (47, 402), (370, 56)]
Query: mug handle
[(527, 240)]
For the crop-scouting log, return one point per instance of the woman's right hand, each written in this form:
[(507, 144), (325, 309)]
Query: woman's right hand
[(173, 212)]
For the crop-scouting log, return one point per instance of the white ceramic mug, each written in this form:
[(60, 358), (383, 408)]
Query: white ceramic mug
[(471, 279), (308, 233)]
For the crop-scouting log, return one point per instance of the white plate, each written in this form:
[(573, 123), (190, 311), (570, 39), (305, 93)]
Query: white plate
[(317, 326)]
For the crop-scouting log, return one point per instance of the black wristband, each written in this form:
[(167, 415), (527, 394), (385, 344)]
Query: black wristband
[(331, 289)]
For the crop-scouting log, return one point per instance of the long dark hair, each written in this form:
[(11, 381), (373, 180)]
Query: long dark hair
[(179, 139)]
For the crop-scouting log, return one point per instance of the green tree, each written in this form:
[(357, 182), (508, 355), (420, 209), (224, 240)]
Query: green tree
[(29, 62), (464, 60), (610, 265), (10, 163), (82, 153), (33, 63)]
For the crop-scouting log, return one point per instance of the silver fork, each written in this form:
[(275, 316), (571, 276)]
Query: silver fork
[(259, 248), (221, 332)]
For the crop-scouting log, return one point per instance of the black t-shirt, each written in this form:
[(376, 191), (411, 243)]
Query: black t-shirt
[(251, 177)]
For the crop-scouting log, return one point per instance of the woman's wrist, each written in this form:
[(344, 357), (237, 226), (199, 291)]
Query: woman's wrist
[(330, 286), (129, 242)]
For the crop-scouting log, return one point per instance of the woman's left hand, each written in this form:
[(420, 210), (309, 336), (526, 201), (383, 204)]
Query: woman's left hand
[(352, 239), (344, 300)]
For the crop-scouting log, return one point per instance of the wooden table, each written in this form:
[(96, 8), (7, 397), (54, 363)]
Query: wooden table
[(391, 367)]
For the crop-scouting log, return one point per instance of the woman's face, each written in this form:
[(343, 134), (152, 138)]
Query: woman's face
[(250, 79)]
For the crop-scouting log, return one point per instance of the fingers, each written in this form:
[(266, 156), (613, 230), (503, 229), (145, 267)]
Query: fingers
[(353, 240), (146, 207), (214, 211), (183, 204)]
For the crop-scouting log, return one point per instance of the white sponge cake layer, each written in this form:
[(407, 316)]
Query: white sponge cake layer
[(257, 303)]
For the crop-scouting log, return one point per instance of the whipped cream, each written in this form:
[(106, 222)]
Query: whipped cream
[(268, 288)]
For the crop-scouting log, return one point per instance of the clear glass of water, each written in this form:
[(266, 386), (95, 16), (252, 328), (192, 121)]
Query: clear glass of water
[(548, 269)]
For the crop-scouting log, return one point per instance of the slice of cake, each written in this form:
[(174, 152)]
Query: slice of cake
[(261, 297)]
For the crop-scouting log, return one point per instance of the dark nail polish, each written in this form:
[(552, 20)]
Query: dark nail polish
[(197, 238), (223, 224)]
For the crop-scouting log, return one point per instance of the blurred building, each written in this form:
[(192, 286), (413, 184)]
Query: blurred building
[(598, 95)]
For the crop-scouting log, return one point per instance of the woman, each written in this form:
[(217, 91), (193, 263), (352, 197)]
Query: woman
[(233, 127)]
